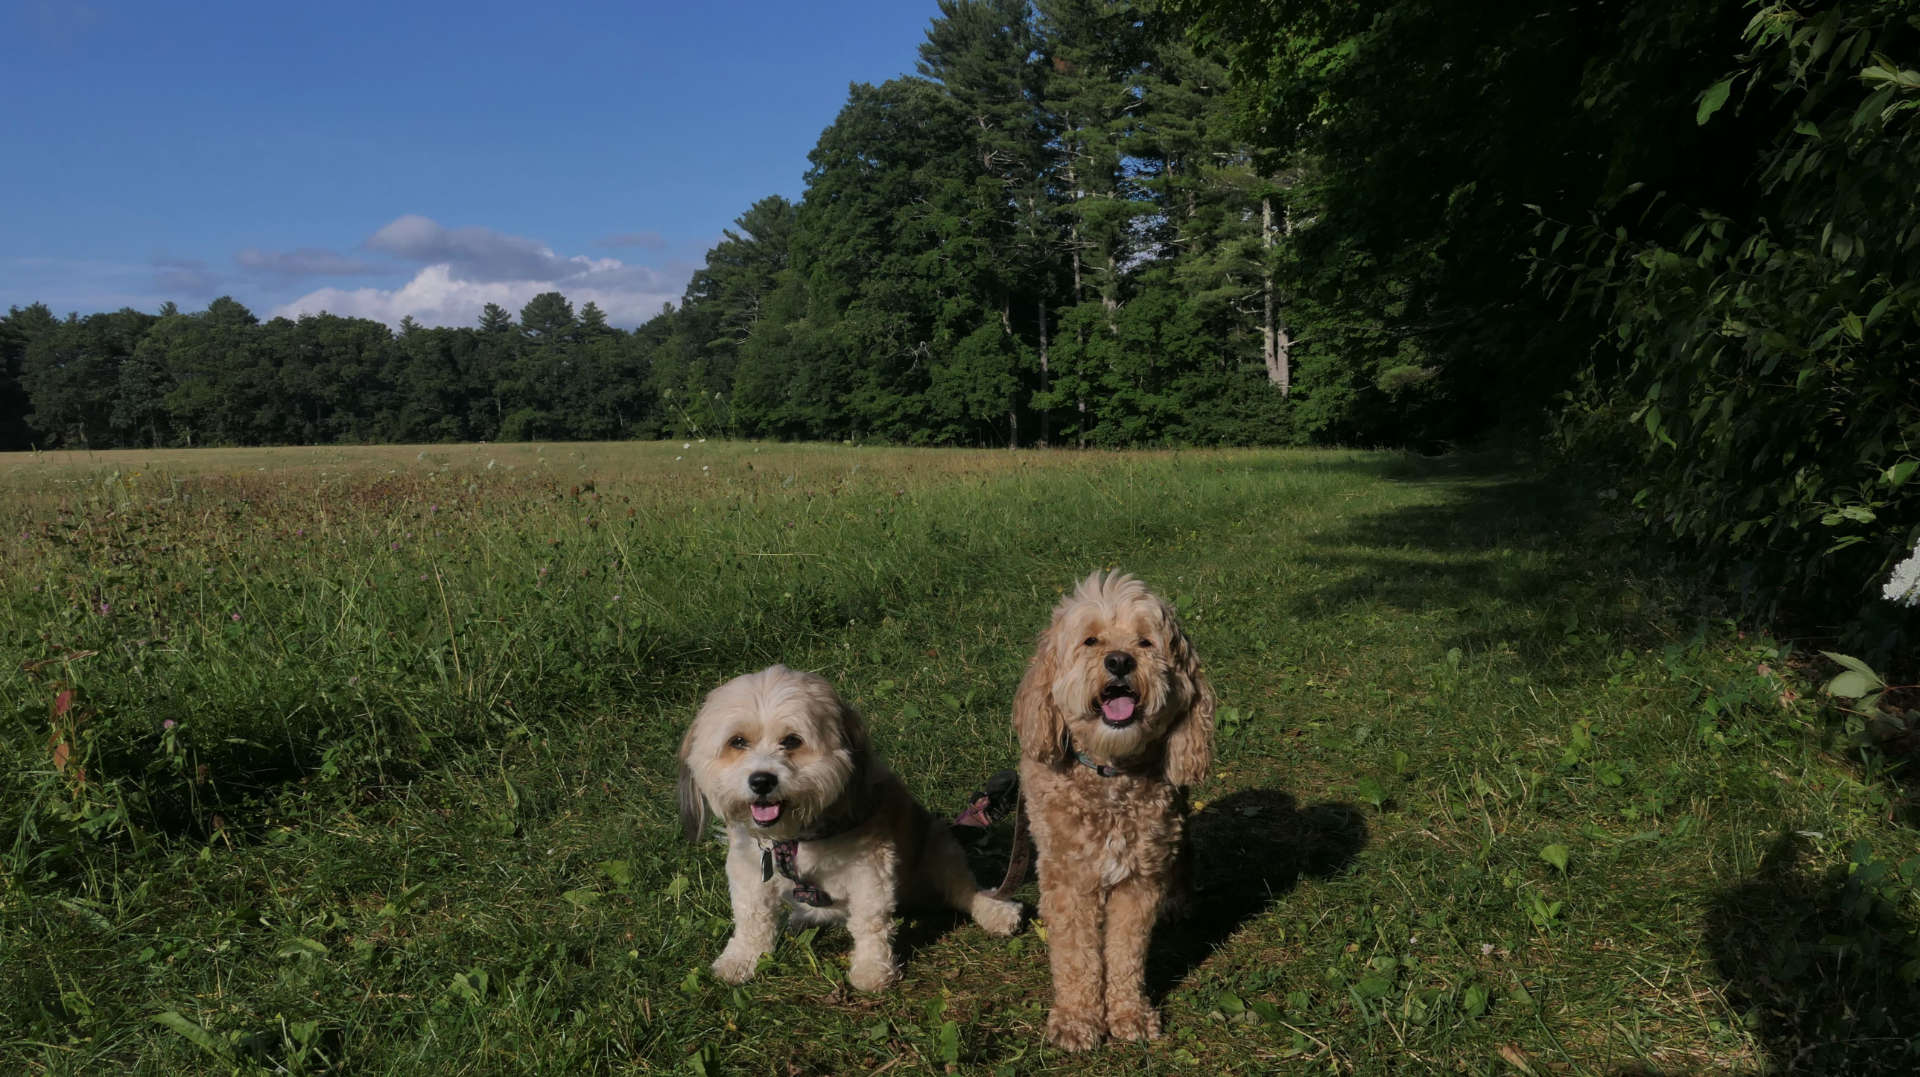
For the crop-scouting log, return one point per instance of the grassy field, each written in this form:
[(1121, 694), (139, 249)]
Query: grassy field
[(361, 760)]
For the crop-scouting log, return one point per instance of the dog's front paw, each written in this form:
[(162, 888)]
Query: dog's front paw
[(1135, 1022), (872, 974), (736, 965), (997, 916), (1074, 1032)]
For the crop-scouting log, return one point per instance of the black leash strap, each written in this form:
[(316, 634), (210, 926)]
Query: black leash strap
[(1020, 857)]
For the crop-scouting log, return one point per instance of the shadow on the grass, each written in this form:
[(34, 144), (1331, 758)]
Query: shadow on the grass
[(1250, 848), (1508, 561), (1816, 964)]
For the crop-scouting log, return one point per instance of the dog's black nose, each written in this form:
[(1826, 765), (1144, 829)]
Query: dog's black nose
[(762, 782), (1119, 663)]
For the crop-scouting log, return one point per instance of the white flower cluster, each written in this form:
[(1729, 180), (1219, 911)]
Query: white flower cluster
[(1904, 585)]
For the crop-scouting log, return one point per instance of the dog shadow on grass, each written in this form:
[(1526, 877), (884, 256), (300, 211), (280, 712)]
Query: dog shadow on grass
[(1250, 849), (1815, 963)]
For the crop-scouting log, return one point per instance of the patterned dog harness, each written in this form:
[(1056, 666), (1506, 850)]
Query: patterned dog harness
[(781, 855)]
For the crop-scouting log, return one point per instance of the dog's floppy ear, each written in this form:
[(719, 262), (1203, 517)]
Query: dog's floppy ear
[(1190, 741), (857, 741), (693, 806), (1040, 725)]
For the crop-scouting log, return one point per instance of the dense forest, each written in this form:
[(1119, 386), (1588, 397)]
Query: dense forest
[(1680, 238)]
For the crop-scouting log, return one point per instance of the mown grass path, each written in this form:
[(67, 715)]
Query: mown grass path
[(363, 760)]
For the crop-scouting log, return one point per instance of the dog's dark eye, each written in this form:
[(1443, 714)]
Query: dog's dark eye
[(1092, 641), (790, 741), (738, 744), (1146, 644)]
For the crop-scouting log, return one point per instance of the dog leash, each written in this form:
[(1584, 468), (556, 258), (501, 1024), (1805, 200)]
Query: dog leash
[(1020, 858)]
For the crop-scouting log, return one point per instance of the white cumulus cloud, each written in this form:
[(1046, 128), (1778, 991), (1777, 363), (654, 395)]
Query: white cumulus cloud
[(437, 296), (466, 268)]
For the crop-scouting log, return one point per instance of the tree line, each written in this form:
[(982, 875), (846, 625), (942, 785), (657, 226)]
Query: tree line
[(1051, 235), (1688, 231), (222, 377), (1678, 237)]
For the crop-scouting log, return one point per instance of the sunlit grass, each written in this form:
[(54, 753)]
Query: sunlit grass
[(363, 759)]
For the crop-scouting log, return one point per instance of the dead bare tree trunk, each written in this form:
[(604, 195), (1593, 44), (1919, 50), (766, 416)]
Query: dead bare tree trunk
[(1046, 427), (1276, 346)]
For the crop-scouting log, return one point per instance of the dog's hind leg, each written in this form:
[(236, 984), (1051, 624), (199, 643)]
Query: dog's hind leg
[(948, 876)]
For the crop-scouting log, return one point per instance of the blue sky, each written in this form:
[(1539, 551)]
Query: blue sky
[(407, 158)]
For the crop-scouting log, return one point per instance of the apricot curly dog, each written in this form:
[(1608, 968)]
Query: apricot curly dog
[(1115, 720)]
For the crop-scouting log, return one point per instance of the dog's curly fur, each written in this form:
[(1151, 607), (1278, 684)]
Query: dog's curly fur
[(1110, 845), (778, 755)]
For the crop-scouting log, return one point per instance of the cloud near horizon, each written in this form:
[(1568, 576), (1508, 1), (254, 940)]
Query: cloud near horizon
[(186, 276), (305, 262), (467, 268)]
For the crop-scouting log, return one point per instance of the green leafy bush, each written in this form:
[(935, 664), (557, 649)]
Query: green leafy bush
[(1760, 375)]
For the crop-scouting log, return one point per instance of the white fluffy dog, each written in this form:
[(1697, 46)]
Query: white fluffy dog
[(815, 820)]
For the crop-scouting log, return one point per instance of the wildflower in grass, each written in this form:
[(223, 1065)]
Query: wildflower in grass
[(1904, 585), (105, 609), (236, 616), (168, 724)]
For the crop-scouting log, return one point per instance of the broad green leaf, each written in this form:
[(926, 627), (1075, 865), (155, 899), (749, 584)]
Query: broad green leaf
[(303, 948), (1712, 99), (192, 1032), (1851, 663), (1852, 684), (1371, 791), (1556, 855), (1371, 987)]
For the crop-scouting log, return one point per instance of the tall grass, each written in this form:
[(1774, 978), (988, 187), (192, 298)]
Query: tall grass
[(363, 761)]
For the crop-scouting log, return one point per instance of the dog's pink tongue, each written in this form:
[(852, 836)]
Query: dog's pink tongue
[(1117, 709), (764, 813)]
